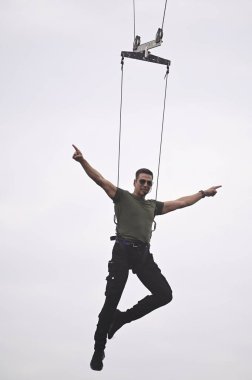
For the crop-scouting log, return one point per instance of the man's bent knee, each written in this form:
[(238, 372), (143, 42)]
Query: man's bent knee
[(165, 298)]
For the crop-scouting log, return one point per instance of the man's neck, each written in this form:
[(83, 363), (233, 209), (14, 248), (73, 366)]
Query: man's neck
[(139, 196)]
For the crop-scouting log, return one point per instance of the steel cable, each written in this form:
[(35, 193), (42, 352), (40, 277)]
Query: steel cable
[(134, 14), (164, 14), (120, 125), (162, 130)]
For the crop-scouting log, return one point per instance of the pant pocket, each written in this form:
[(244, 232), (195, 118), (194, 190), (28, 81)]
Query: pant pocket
[(116, 278)]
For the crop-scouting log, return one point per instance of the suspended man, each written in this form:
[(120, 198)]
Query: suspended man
[(131, 251)]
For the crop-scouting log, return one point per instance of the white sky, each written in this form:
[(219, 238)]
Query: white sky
[(60, 84)]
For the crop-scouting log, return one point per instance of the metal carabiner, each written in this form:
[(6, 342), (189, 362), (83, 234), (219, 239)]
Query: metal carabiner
[(154, 226)]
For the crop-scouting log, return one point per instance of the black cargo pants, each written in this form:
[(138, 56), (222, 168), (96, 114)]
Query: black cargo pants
[(136, 256)]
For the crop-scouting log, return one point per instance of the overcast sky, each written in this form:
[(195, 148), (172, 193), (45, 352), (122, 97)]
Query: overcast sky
[(60, 84)]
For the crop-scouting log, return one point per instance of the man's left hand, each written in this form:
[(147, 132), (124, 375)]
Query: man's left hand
[(211, 191)]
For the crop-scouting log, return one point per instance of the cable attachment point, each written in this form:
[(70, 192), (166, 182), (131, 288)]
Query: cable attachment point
[(167, 71), (122, 61), (159, 35), (137, 42)]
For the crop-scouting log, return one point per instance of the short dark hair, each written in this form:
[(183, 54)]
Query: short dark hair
[(145, 171)]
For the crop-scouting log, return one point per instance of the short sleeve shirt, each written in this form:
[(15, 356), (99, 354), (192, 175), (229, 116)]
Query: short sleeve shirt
[(135, 216)]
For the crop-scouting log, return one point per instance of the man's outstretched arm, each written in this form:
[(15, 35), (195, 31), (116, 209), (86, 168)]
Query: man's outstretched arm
[(107, 186), (189, 200)]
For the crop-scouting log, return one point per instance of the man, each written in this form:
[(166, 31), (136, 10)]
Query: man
[(135, 216)]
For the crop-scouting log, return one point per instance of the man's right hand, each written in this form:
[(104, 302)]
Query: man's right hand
[(107, 186), (77, 156)]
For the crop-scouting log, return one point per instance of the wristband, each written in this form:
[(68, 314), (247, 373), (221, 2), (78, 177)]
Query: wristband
[(203, 193)]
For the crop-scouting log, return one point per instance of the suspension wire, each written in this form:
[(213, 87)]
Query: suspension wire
[(120, 125), (164, 14), (162, 130), (120, 128), (134, 15)]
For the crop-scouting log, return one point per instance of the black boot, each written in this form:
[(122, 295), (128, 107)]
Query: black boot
[(96, 362)]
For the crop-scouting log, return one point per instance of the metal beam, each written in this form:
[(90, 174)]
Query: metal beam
[(148, 45), (141, 56)]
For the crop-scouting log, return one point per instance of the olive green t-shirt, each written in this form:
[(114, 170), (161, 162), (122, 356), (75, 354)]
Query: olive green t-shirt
[(135, 216)]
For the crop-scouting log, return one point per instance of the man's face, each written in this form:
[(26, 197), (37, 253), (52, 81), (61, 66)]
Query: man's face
[(143, 184)]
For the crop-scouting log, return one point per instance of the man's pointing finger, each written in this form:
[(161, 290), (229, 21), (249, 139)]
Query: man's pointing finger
[(75, 147)]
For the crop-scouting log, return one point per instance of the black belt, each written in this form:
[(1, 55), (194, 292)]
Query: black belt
[(131, 243)]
